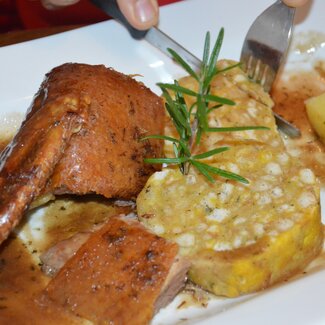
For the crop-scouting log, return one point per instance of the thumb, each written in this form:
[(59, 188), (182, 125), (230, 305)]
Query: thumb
[(141, 14), (295, 3)]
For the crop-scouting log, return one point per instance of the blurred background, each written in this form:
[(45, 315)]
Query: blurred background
[(28, 19)]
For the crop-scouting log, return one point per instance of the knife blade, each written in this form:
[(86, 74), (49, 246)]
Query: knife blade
[(162, 41), (154, 35)]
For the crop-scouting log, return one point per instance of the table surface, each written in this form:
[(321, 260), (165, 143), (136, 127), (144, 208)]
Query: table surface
[(14, 37)]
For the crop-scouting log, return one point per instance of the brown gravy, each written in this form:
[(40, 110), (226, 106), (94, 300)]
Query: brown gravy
[(21, 279), (289, 95), (21, 282)]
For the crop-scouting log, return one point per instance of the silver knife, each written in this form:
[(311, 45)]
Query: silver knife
[(154, 35), (163, 42)]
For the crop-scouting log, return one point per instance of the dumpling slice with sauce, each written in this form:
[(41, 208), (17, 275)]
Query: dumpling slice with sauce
[(239, 238)]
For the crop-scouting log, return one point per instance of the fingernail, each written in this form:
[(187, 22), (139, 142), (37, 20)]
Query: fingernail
[(49, 6), (57, 4), (144, 10)]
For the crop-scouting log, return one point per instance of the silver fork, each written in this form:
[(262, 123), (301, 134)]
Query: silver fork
[(264, 51)]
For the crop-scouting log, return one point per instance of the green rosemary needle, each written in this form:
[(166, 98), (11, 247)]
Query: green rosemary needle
[(191, 130)]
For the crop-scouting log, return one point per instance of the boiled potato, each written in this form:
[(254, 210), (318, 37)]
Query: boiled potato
[(316, 114)]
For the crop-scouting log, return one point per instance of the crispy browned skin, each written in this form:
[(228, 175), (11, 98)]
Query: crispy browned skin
[(27, 163), (118, 275), (106, 156), (107, 112)]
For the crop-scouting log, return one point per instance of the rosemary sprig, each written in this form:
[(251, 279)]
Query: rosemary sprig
[(191, 130)]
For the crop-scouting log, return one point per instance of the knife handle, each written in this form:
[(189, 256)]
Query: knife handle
[(112, 9)]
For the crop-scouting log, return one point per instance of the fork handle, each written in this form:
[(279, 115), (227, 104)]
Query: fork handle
[(111, 8)]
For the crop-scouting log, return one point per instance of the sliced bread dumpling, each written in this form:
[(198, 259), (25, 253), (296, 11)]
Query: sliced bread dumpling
[(240, 238)]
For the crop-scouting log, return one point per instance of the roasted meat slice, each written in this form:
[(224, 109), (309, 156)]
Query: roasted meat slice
[(81, 135), (106, 156), (120, 270)]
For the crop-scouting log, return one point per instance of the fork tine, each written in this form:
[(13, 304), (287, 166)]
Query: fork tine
[(264, 49), (262, 74), (250, 66), (257, 71)]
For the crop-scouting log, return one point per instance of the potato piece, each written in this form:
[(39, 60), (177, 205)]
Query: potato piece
[(316, 114)]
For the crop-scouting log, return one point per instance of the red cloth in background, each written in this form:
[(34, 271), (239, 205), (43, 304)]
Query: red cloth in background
[(9, 19), (30, 14)]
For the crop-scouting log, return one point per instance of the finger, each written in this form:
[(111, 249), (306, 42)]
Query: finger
[(141, 14), (295, 3), (55, 4)]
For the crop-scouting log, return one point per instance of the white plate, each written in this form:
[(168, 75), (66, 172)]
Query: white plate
[(22, 68)]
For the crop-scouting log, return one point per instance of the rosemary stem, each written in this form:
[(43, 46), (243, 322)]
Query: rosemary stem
[(189, 129), (192, 140)]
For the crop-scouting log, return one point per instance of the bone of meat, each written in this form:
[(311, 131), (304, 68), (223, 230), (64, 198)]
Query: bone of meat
[(123, 274), (81, 135)]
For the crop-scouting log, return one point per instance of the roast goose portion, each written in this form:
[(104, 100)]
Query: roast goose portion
[(122, 274), (106, 156), (81, 135), (28, 162)]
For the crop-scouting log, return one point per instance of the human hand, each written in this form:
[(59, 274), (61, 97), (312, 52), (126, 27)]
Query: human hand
[(141, 14)]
